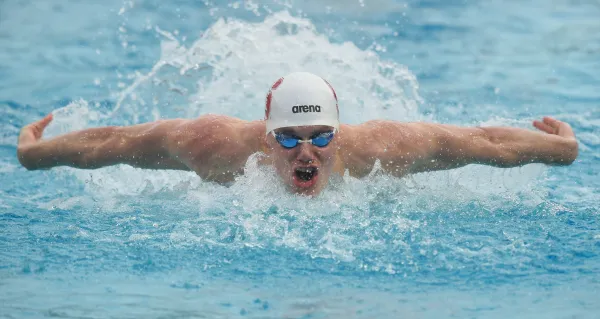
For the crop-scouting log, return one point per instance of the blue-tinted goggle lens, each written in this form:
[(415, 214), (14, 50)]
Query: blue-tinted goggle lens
[(290, 141)]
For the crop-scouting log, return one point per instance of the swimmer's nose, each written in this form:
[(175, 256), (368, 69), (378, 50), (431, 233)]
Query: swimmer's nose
[(305, 154)]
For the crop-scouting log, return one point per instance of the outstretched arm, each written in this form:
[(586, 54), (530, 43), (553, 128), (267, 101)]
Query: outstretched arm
[(419, 147), (149, 145)]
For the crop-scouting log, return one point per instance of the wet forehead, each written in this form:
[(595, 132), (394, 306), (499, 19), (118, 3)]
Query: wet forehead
[(304, 131)]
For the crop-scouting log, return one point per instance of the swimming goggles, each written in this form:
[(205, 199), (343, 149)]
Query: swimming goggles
[(291, 141)]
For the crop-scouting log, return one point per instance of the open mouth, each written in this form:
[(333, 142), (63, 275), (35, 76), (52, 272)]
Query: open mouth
[(306, 174)]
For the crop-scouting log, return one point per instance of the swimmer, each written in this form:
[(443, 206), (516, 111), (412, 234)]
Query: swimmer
[(302, 138)]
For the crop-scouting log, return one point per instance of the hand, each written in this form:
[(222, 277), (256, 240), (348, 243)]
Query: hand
[(29, 136), (32, 132), (569, 151), (556, 127)]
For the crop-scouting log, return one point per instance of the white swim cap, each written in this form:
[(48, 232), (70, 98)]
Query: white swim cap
[(300, 99)]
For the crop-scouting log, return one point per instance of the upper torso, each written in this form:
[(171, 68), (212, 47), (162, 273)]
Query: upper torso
[(235, 140)]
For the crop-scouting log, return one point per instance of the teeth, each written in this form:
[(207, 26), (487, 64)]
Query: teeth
[(306, 169)]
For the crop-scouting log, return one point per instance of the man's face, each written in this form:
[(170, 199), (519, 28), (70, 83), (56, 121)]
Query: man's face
[(305, 169)]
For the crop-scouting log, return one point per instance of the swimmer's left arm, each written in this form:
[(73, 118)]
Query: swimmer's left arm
[(446, 146), (419, 147)]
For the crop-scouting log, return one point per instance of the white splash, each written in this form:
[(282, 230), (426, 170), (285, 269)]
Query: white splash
[(230, 67)]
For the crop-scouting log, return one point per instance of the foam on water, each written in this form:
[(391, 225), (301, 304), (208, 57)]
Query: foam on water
[(229, 68)]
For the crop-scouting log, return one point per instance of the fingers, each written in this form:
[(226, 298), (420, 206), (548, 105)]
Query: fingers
[(565, 130), (544, 127), (33, 131), (41, 124), (551, 122), (553, 126)]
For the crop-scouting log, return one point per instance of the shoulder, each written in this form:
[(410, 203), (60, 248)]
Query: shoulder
[(211, 141), (370, 136), (393, 133), (362, 145), (211, 124), (211, 128)]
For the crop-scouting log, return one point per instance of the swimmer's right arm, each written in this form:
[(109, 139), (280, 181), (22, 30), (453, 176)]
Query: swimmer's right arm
[(156, 145)]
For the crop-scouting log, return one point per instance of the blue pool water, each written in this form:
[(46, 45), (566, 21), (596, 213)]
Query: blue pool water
[(476, 242)]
